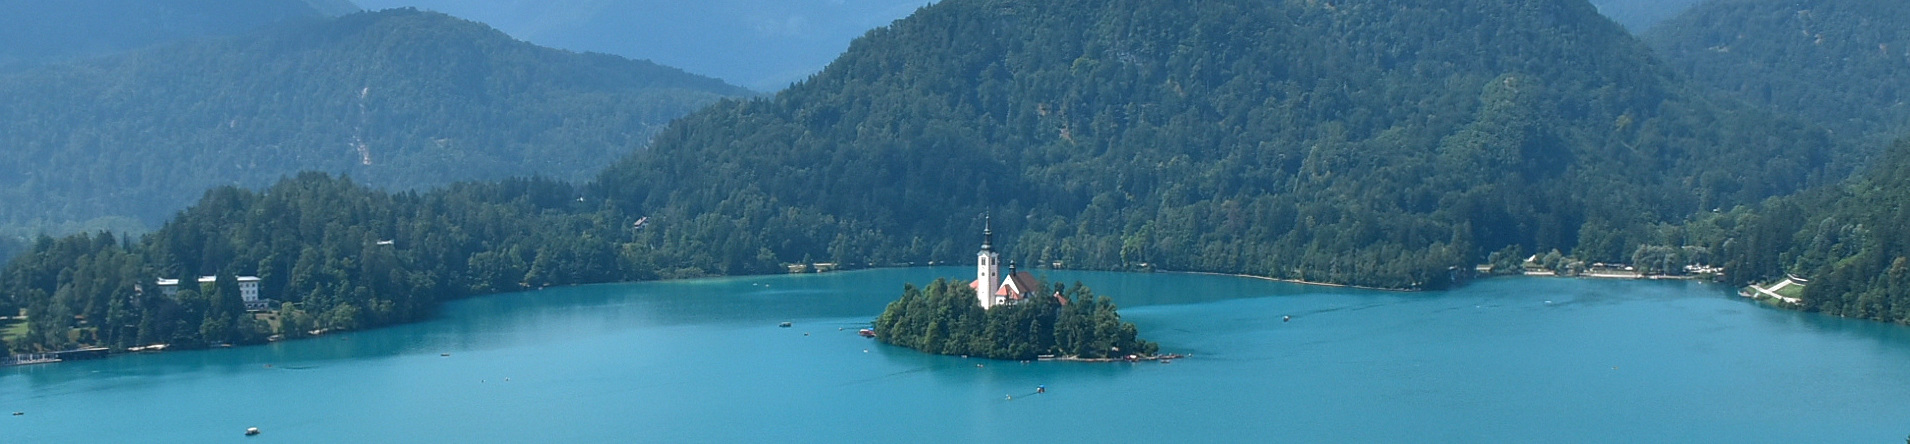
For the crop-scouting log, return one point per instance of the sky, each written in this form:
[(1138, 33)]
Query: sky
[(760, 44)]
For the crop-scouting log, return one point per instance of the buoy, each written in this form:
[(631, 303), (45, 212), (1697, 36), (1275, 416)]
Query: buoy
[(1286, 319), (251, 431)]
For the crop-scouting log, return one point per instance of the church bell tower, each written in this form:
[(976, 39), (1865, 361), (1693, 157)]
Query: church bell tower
[(987, 267)]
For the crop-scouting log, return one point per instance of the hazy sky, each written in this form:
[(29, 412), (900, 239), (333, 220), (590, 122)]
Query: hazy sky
[(760, 44)]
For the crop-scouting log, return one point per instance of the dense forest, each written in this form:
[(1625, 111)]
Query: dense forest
[(1841, 63), (1849, 241), (399, 99), (1379, 143), (944, 318), (40, 31), (337, 254)]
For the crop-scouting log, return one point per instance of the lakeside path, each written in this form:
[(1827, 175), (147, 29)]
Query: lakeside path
[(1772, 292)]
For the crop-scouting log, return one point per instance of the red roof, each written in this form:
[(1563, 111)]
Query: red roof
[(1023, 283)]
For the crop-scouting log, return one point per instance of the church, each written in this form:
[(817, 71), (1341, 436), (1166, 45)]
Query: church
[(991, 289)]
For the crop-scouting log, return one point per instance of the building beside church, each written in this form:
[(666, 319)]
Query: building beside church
[(991, 287), (248, 290)]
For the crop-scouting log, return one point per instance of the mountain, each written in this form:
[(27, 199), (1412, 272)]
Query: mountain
[(1843, 64), (1382, 142), (398, 99), (761, 44), (39, 31)]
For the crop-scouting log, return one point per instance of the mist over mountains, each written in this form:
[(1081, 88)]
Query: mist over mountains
[(763, 45), (400, 99), (39, 31)]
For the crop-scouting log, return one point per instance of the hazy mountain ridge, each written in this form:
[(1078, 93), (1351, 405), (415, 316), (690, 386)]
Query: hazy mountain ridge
[(398, 98), (1840, 63), (40, 31)]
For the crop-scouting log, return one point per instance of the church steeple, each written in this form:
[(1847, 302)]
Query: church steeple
[(988, 234), (987, 267)]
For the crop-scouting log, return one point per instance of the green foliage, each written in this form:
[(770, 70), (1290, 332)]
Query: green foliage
[(1379, 143), (339, 255), (945, 318), (1850, 241), (398, 99), (1841, 63)]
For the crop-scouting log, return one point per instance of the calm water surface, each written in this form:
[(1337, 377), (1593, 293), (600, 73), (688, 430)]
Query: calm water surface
[(1504, 360)]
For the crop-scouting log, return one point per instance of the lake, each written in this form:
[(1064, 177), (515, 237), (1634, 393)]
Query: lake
[(1500, 360)]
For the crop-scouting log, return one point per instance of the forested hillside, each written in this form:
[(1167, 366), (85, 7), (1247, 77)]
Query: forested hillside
[(397, 99), (41, 31), (1379, 142), (1845, 64), (1850, 241), (343, 255)]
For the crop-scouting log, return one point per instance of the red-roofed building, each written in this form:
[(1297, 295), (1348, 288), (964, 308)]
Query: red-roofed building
[(1018, 287)]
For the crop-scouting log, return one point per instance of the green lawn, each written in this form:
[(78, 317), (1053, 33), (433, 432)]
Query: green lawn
[(1791, 291), (12, 329)]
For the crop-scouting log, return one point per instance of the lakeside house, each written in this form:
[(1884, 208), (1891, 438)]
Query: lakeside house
[(248, 290)]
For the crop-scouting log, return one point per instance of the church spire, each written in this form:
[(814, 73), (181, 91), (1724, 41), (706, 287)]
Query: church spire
[(987, 267), (988, 234)]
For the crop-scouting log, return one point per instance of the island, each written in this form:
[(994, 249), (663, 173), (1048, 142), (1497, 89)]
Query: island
[(1070, 323)]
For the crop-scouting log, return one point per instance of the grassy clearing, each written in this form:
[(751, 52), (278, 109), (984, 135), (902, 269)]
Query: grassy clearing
[(1791, 291), (13, 329)]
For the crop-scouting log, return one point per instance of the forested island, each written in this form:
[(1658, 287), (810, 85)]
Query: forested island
[(1074, 323)]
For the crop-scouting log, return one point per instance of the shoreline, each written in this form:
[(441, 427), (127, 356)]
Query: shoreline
[(1294, 281), (111, 353), (1166, 358)]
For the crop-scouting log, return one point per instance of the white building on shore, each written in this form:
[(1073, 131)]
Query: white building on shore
[(248, 290)]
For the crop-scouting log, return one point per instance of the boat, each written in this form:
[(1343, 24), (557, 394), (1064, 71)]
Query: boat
[(252, 431), (784, 324), (867, 332)]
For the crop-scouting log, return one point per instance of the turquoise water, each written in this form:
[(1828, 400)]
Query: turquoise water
[(1503, 360)]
